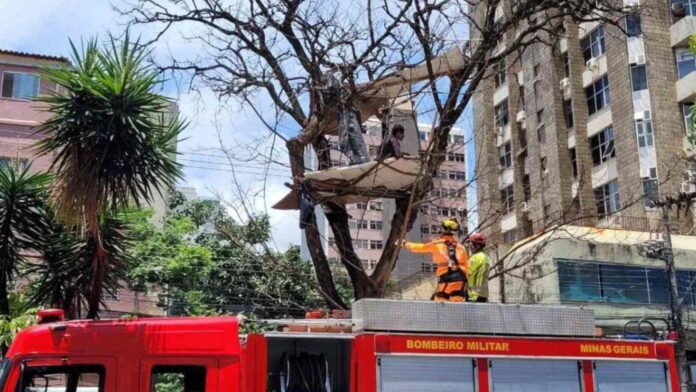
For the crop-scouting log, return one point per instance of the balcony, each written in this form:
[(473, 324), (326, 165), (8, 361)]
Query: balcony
[(686, 87), (682, 30)]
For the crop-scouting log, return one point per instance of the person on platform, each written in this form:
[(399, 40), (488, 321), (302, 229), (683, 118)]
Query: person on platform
[(391, 147)]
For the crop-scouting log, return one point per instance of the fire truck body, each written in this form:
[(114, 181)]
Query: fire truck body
[(206, 354)]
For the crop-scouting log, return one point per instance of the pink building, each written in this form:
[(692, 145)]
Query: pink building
[(20, 82)]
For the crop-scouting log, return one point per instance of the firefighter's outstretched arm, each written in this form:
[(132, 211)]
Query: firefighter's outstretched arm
[(416, 247)]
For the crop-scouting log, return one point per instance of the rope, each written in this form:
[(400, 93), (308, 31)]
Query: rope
[(305, 373)]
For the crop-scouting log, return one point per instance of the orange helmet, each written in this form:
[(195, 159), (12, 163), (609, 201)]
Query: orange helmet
[(477, 238)]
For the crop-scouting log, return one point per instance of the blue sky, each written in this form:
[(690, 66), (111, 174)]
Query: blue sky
[(47, 30)]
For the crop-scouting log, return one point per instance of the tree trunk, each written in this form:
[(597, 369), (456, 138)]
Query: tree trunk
[(338, 220), (4, 297), (98, 273), (319, 260)]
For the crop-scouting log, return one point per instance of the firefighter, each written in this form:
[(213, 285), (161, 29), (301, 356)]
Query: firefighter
[(479, 262), (450, 261)]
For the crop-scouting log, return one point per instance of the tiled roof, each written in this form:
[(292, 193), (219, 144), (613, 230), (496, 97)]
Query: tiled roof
[(33, 55)]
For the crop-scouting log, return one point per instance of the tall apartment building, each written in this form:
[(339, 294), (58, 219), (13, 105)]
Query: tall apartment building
[(369, 221), (586, 127)]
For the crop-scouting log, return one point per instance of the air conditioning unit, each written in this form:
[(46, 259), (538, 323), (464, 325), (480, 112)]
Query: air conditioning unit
[(521, 116), (638, 59), (688, 187), (525, 206), (591, 64), (565, 83), (644, 172), (678, 10)]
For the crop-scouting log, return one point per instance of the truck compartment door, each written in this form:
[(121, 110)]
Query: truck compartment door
[(630, 376), (534, 375), (412, 373)]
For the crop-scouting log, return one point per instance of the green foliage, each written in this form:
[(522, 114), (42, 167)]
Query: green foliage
[(64, 276), (22, 315), (112, 138), (23, 223), (112, 135), (205, 262)]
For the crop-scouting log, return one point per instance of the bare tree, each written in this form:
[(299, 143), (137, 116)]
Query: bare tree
[(437, 50)]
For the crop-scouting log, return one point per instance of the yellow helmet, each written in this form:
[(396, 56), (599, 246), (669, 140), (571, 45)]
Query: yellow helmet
[(450, 226)]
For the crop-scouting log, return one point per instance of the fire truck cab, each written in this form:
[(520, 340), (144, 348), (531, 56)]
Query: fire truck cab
[(387, 346)]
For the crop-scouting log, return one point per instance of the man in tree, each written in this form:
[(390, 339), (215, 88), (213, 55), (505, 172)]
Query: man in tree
[(451, 263), (479, 263), (391, 147)]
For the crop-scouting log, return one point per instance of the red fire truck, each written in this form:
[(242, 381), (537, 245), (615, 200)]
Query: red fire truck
[(392, 346)]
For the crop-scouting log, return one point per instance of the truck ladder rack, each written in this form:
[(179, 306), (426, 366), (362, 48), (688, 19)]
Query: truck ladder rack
[(472, 318)]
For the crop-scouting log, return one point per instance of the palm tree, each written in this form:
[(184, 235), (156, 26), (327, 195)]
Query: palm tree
[(23, 222), (113, 141)]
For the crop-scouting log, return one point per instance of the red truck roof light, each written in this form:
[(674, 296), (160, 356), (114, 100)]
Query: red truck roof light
[(51, 316)]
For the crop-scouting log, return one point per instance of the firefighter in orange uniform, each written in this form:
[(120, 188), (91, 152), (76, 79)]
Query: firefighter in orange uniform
[(450, 261)]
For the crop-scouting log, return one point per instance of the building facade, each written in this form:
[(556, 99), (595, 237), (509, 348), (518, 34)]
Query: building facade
[(588, 130), (369, 223)]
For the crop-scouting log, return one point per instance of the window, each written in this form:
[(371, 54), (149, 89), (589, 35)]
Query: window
[(607, 198), (602, 146), (501, 114), (689, 6), (506, 199), (526, 187), (361, 206), (544, 163), (459, 139), (457, 176), (593, 44), (376, 244), (357, 224), (686, 62), (644, 133), (617, 283), (540, 117), (360, 244), (20, 85), (535, 87), (375, 206), (505, 155), (598, 95), (566, 65), (375, 225), (537, 70), (630, 376), (332, 242), (534, 375), (178, 379), (423, 135), (650, 188), (425, 229), (509, 237), (427, 267), (500, 73), (455, 157), (541, 134), (63, 378), (568, 113), (686, 112), (574, 161), (20, 163), (633, 25), (639, 77)]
